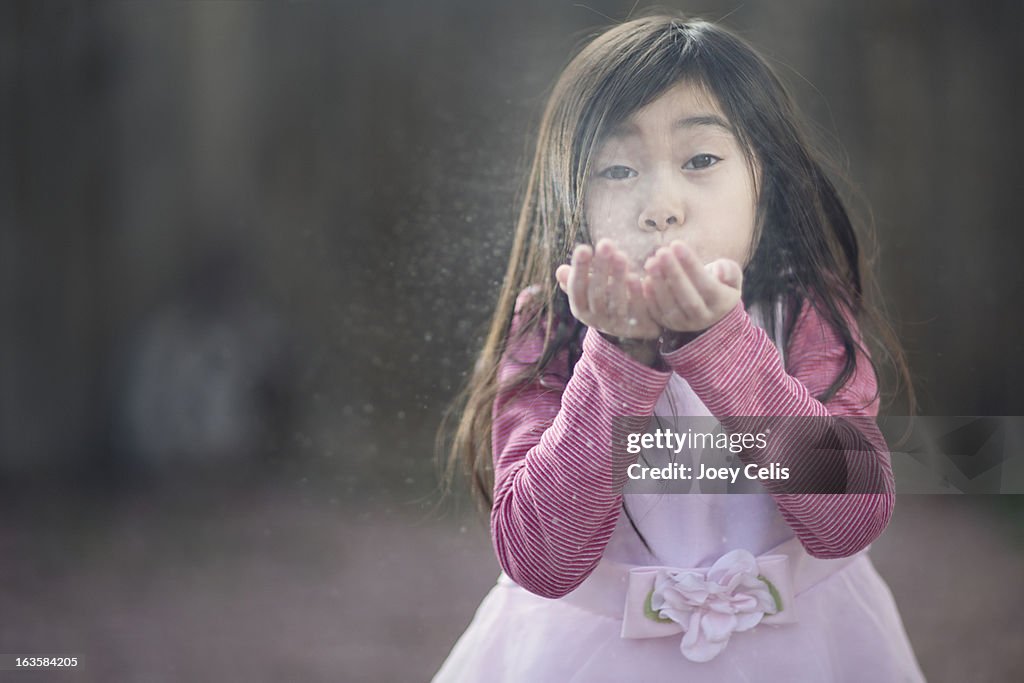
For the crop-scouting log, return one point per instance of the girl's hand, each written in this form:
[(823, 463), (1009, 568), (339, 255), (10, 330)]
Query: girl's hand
[(685, 296), (603, 295)]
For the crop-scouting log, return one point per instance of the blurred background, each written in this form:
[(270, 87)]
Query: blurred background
[(248, 252)]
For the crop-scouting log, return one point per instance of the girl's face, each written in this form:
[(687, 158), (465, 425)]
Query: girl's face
[(673, 170)]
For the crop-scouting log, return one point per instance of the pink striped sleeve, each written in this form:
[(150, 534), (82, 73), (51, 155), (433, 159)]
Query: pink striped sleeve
[(555, 496), (736, 370)]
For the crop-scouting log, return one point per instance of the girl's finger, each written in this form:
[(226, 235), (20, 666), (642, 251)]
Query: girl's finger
[(659, 296), (598, 292), (618, 290), (728, 272), (709, 289), (579, 281), (635, 289), (562, 277), (640, 321), (687, 300), (647, 289)]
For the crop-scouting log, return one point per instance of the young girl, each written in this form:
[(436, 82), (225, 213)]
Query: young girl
[(712, 270)]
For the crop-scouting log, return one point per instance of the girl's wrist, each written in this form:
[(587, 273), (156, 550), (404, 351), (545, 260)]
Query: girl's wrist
[(643, 351), (673, 341)]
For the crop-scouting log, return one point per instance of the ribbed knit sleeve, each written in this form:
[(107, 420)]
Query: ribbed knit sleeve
[(735, 369), (557, 488)]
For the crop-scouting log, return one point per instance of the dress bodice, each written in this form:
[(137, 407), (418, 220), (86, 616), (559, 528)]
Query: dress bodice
[(696, 528)]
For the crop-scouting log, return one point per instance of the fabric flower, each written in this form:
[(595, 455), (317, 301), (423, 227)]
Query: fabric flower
[(711, 606)]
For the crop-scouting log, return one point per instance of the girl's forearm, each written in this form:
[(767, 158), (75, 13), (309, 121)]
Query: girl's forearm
[(737, 372), (557, 486)]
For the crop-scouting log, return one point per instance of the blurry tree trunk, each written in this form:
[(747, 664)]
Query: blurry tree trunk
[(56, 167)]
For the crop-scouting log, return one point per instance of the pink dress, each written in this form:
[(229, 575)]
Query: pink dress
[(569, 603)]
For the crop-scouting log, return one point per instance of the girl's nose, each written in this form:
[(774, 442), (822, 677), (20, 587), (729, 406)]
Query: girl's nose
[(660, 216), (658, 220), (663, 208)]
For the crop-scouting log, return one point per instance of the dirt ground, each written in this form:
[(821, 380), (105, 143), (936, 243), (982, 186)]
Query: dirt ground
[(261, 582)]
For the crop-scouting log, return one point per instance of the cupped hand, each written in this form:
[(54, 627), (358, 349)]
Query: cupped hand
[(603, 294), (684, 295)]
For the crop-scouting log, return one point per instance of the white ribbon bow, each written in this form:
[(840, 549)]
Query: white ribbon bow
[(735, 594)]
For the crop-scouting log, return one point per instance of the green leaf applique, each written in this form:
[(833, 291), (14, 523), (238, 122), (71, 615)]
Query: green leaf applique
[(651, 614), (775, 593)]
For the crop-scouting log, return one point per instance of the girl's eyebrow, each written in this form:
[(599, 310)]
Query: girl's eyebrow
[(627, 129), (702, 120)]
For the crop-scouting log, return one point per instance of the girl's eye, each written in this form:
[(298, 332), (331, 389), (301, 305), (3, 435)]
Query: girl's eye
[(702, 161), (618, 173)]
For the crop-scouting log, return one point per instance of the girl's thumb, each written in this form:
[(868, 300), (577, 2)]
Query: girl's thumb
[(728, 272)]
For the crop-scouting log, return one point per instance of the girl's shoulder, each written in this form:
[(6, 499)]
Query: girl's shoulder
[(525, 339), (816, 354), (533, 304), (528, 337), (531, 310), (526, 313), (812, 330), (527, 297)]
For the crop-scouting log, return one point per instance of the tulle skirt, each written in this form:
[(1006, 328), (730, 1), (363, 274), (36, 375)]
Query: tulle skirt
[(847, 629)]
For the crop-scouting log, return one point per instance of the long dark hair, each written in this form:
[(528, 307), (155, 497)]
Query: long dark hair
[(807, 249)]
